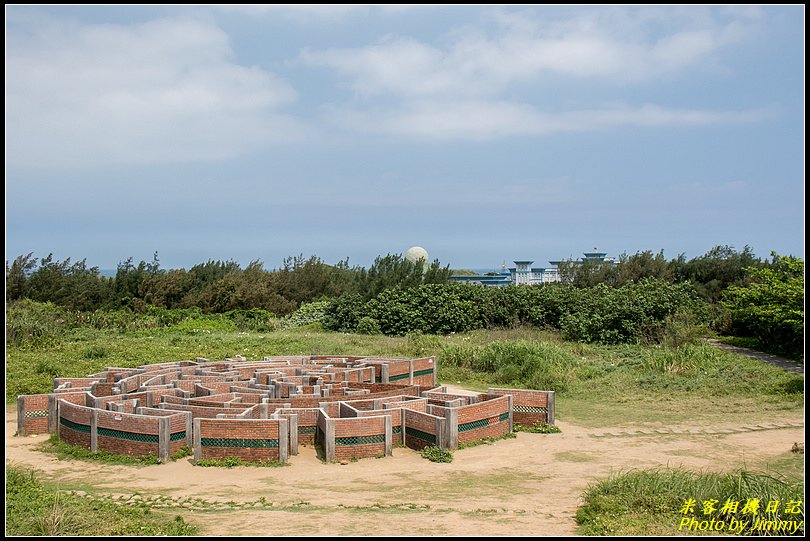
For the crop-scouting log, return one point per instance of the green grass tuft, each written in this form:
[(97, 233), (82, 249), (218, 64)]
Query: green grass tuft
[(650, 502), (538, 428), (65, 451), (486, 441), (437, 454), (234, 462)]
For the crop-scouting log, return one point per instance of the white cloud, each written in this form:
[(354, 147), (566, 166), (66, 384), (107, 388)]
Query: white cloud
[(481, 120), (162, 91), (461, 87), (610, 45)]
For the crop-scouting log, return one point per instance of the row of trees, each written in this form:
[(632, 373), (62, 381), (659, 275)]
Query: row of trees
[(595, 302), (214, 286), (711, 273)]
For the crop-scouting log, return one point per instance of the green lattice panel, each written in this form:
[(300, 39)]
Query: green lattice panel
[(360, 440), (35, 414), (424, 436), (306, 429), (396, 429), (503, 417), (399, 377), (529, 409), (425, 372), (74, 426), (239, 443), (130, 436), (177, 436), (464, 427)]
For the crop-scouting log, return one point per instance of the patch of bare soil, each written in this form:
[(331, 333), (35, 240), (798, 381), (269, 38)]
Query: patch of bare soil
[(530, 485)]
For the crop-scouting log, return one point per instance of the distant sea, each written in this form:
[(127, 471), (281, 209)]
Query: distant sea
[(111, 272)]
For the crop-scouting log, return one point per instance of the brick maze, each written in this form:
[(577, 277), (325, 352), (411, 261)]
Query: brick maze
[(345, 407)]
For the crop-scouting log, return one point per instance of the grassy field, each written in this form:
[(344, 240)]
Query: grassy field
[(36, 507), (597, 386), (636, 384)]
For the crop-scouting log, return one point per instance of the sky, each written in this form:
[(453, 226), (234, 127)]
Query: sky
[(484, 134)]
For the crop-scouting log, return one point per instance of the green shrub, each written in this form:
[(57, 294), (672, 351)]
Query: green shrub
[(307, 314), (636, 312), (437, 454), (537, 428), (368, 325), (254, 319), (771, 308), (343, 313)]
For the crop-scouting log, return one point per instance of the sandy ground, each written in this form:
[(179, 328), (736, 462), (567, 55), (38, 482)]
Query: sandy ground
[(530, 485)]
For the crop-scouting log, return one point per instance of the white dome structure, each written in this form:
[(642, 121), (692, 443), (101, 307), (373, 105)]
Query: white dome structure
[(415, 253)]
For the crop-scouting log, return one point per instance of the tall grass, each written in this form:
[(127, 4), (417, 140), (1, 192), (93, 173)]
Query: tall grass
[(649, 502)]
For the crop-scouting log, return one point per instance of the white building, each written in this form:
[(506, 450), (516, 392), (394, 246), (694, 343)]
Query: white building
[(524, 274)]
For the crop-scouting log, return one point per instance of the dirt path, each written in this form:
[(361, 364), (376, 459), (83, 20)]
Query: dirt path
[(786, 364), (525, 486)]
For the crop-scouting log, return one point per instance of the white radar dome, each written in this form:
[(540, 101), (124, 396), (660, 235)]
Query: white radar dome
[(415, 253)]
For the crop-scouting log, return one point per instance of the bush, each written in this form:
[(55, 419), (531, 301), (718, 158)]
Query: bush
[(771, 308), (307, 314), (636, 312), (254, 319), (538, 428), (368, 325), (343, 313), (647, 311), (437, 454)]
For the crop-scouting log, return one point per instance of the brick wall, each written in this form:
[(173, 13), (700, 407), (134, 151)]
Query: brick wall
[(212, 400), (76, 383), (307, 423), (102, 389), (529, 407), (399, 372), (360, 437), (422, 429), (424, 371), (32, 414), (397, 435), (247, 439), (201, 411), (74, 424), (419, 404), (128, 434), (486, 419)]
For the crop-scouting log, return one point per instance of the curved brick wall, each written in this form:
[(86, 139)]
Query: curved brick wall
[(74, 424)]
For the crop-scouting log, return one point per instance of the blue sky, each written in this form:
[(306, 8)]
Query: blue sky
[(482, 133)]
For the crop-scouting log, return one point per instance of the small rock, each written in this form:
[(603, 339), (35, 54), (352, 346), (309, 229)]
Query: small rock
[(343, 463)]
